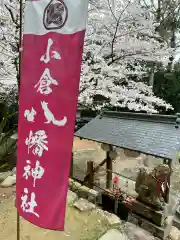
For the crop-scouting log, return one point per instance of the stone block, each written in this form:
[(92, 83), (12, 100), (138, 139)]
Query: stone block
[(4, 175), (157, 217), (140, 234), (176, 222), (9, 181), (113, 234), (84, 205), (71, 181), (156, 231), (71, 197), (112, 219), (75, 186), (173, 204), (93, 196), (83, 191), (136, 233), (174, 234)]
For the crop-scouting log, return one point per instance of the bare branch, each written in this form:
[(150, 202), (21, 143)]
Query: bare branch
[(115, 33), (112, 10), (11, 14)]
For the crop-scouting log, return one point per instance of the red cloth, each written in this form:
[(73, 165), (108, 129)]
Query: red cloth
[(115, 180), (161, 185)]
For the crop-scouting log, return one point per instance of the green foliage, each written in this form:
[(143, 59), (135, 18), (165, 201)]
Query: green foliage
[(167, 87), (7, 144)]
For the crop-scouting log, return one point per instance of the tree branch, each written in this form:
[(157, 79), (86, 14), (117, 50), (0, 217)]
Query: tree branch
[(11, 14), (112, 11), (117, 25)]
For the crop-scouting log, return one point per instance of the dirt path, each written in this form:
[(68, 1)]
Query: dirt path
[(83, 144), (79, 226)]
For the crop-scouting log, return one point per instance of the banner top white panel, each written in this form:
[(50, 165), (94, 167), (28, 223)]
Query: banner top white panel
[(65, 17)]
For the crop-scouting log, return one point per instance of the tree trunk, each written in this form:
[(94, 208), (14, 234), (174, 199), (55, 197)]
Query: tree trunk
[(170, 64), (151, 77), (173, 45), (159, 11)]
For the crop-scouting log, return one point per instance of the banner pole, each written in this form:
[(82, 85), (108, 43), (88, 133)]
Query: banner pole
[(18, 226), (18, 222), (20, 39), (18, 80)]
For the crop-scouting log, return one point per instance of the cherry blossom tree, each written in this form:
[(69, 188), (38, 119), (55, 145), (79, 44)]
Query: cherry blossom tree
[(167, 13), (121, 39), (9, 37)]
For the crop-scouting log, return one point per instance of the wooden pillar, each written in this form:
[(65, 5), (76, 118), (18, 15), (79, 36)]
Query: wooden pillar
[(71, 168), (90, 173), (95, 170), (109, 167), (169, 162)]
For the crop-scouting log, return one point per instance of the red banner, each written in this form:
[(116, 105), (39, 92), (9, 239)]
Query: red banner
[(51, 62)]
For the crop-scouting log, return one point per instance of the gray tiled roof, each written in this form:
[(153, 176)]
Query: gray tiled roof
[(151, 134)]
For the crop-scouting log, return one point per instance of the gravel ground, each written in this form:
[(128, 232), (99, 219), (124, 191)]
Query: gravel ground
[(79, 226)]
